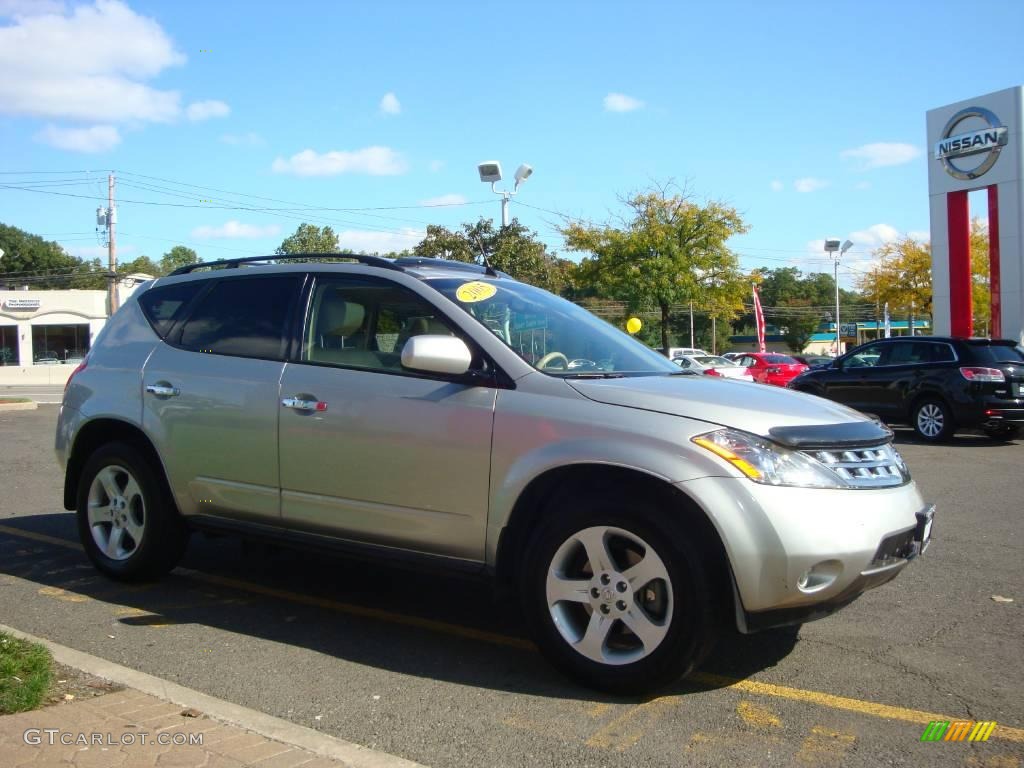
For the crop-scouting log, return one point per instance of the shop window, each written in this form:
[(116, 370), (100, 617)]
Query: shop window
[(55, 344), (8, 345)]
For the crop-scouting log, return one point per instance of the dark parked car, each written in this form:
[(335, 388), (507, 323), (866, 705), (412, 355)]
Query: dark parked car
[(935, 384)]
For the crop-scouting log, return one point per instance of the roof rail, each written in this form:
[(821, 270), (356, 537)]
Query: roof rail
[(464, 266), (370, 261)]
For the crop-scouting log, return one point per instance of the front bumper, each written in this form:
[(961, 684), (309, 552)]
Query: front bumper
[(893, 555), (802, 553)]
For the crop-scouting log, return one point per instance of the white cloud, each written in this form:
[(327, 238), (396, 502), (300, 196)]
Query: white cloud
[(379, 242), (620, 102), (442, 200), (243, 139), (865, 242), (881, 154), (374, 161), (97, 138), (390, 105), (436, 165), (809, 184), (21, 8), (874, 236), (235, 230), (922, 236), (89, 65), (862, 185), (204, 110), (777, 186)]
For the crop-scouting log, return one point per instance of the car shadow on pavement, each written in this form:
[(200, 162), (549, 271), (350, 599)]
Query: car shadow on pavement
[(973, 440), (413, 623)]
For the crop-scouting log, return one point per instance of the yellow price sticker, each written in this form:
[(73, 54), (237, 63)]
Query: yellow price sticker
[(469, 293)]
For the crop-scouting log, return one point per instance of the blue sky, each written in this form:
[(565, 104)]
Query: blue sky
[(808, 117)]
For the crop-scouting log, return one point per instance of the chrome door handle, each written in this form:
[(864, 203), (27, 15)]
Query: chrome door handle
[(161, 390), (304, 405)]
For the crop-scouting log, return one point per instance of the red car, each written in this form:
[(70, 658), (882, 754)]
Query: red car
[(771, 367)]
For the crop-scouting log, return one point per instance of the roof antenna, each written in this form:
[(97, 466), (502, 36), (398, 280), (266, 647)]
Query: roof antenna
[(488, 269)]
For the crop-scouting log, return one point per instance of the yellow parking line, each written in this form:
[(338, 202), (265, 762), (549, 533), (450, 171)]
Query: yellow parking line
[(828, 700), (831, 701)]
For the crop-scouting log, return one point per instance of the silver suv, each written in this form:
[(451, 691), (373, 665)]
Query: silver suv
[(442, 412)]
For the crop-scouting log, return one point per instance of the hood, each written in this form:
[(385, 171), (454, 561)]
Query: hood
[(758, 408)]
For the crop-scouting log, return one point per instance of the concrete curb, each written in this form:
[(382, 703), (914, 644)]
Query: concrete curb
[(29, 406), (271, 727)]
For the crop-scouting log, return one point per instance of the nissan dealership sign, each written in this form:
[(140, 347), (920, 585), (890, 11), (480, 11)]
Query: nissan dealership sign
[(985, 142), (977, 146)]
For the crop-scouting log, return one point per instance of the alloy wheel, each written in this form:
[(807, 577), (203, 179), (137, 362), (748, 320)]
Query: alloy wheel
[(930, 420), (116, 512), (610, 595)]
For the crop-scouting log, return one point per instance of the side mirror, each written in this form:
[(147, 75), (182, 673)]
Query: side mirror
[(437, 354)]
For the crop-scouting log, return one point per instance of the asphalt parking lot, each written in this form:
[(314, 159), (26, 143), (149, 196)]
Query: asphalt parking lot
[(434, 670)]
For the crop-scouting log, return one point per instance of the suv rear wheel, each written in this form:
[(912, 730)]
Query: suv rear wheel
[(128, 525), (933, 420), (615, 595)]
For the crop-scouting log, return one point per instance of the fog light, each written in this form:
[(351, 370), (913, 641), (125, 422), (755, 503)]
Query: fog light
[(819, 577)]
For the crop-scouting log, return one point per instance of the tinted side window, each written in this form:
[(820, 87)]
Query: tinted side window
[(909, 353), (997, 353), (942, 353), (868, 357), (164, 305), (246, 317)]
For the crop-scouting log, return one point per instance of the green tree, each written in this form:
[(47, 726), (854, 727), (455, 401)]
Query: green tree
[(514, 249), (142, 264), (668, 251), (34, 261), (442, 243), (309, 238), (178, 256)]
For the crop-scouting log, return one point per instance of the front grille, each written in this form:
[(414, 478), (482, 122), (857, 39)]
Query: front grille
[(876, 467)]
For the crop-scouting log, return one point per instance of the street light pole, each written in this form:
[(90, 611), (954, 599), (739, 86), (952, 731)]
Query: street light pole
[(833, 248)]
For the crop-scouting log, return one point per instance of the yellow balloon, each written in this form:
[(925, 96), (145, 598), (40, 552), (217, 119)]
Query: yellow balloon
[(633, 325)]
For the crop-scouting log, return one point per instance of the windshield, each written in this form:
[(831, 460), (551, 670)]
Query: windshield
[(551, 334), (714, 360), (780, 359)]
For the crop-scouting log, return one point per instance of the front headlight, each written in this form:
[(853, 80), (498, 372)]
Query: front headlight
[(765, 462)]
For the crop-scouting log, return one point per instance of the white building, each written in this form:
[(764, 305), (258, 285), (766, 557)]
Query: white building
[(53, 327)]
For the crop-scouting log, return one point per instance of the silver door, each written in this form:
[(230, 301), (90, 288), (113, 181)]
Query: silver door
[(212, 412), (374, 453)]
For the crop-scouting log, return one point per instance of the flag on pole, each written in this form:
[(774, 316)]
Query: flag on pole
[(759, 319), (888, 325)]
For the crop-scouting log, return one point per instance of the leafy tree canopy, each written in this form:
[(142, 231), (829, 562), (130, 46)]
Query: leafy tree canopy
[(669, 250)]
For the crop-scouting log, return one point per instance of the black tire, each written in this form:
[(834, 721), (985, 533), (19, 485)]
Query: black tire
[(693, 626), (164, 534), (1003, 431), (932, 420)]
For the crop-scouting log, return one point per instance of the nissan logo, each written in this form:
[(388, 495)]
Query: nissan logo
[(986, 142)]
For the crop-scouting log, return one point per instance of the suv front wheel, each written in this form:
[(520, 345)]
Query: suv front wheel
[(615, 593), (128, 526)]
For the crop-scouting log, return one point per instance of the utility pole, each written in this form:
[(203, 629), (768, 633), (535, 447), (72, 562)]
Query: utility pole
[(692, 345), (111, 246)]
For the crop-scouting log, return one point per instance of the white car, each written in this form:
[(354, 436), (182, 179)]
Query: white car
[(713, 365)]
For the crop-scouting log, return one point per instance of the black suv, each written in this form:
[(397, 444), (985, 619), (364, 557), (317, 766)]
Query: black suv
[(936, 384)]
